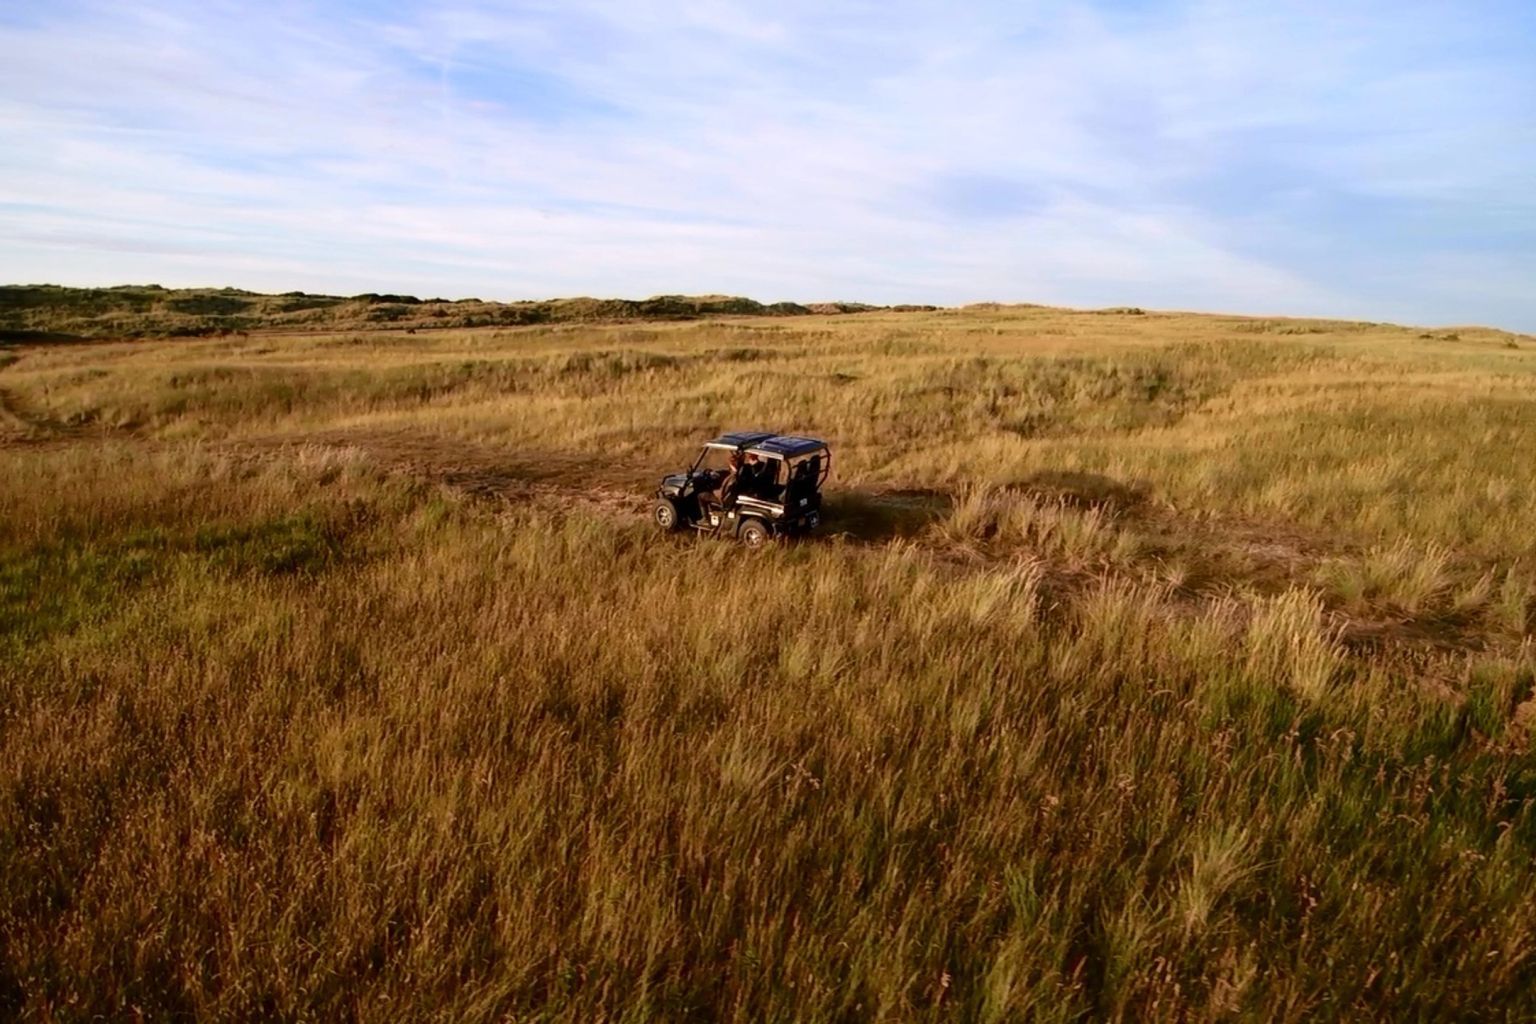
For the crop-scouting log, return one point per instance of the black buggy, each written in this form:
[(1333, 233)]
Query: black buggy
[(777, 493)]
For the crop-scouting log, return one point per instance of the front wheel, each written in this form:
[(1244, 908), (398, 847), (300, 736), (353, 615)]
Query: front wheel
[(754, 534), (665, 514)]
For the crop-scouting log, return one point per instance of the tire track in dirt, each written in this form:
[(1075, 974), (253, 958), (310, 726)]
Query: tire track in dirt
[(14, 426), (22, 424), (479, 471)]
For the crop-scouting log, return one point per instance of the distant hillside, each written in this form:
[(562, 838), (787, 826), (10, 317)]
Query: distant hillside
[(153, 311)]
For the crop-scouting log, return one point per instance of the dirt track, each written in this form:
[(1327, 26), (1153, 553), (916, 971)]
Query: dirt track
[(480, 471), (16, 426)]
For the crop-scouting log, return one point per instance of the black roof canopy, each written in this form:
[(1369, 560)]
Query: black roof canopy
[(785, 446), (741, 438), (789, 445)]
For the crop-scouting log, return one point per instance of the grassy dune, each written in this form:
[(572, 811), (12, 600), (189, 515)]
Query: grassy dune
[(55, 313), (1151, 667)]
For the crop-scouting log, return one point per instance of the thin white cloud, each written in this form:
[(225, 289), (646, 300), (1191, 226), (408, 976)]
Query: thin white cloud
[(1180, 156)]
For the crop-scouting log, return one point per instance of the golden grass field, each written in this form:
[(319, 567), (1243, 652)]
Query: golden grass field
[(1149, 667)]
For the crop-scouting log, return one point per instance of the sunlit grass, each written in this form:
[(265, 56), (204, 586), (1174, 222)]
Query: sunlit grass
[(1151, 667)]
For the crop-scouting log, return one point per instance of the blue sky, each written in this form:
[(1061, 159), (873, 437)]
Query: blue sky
[(1371, 160)]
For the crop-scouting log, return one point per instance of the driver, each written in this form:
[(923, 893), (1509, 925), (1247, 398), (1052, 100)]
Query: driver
[(729, 486)]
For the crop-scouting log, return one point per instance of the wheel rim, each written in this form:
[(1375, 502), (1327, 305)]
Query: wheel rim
[(753, 537), (664, 515)]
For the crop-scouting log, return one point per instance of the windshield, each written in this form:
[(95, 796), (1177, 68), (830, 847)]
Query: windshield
[(713, 459)]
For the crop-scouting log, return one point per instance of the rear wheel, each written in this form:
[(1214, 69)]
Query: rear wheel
[(665, 514), (754, 534)]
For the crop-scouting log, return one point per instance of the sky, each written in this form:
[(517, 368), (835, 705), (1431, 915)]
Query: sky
[(1372, 160)]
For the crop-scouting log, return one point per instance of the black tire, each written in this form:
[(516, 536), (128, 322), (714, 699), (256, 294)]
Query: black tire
[(754, 534), (664, 514)]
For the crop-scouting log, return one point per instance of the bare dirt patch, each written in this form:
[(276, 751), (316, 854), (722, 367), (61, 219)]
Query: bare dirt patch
[(480, 471)]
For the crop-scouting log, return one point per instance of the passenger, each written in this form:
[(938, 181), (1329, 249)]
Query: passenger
[(756, 475)]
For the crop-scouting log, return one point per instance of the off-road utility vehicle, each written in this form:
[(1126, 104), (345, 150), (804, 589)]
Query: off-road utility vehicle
[(777, 491)]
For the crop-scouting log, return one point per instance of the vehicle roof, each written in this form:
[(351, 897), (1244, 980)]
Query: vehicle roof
[(790, 445), (741, 438), (786, 446)]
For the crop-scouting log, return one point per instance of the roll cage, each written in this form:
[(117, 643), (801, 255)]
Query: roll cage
[(800, 464)]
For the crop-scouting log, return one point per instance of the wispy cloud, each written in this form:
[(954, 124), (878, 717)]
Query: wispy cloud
[(1360, 159)]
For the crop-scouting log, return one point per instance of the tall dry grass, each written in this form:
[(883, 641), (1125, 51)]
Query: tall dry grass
[(1152, 668)]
